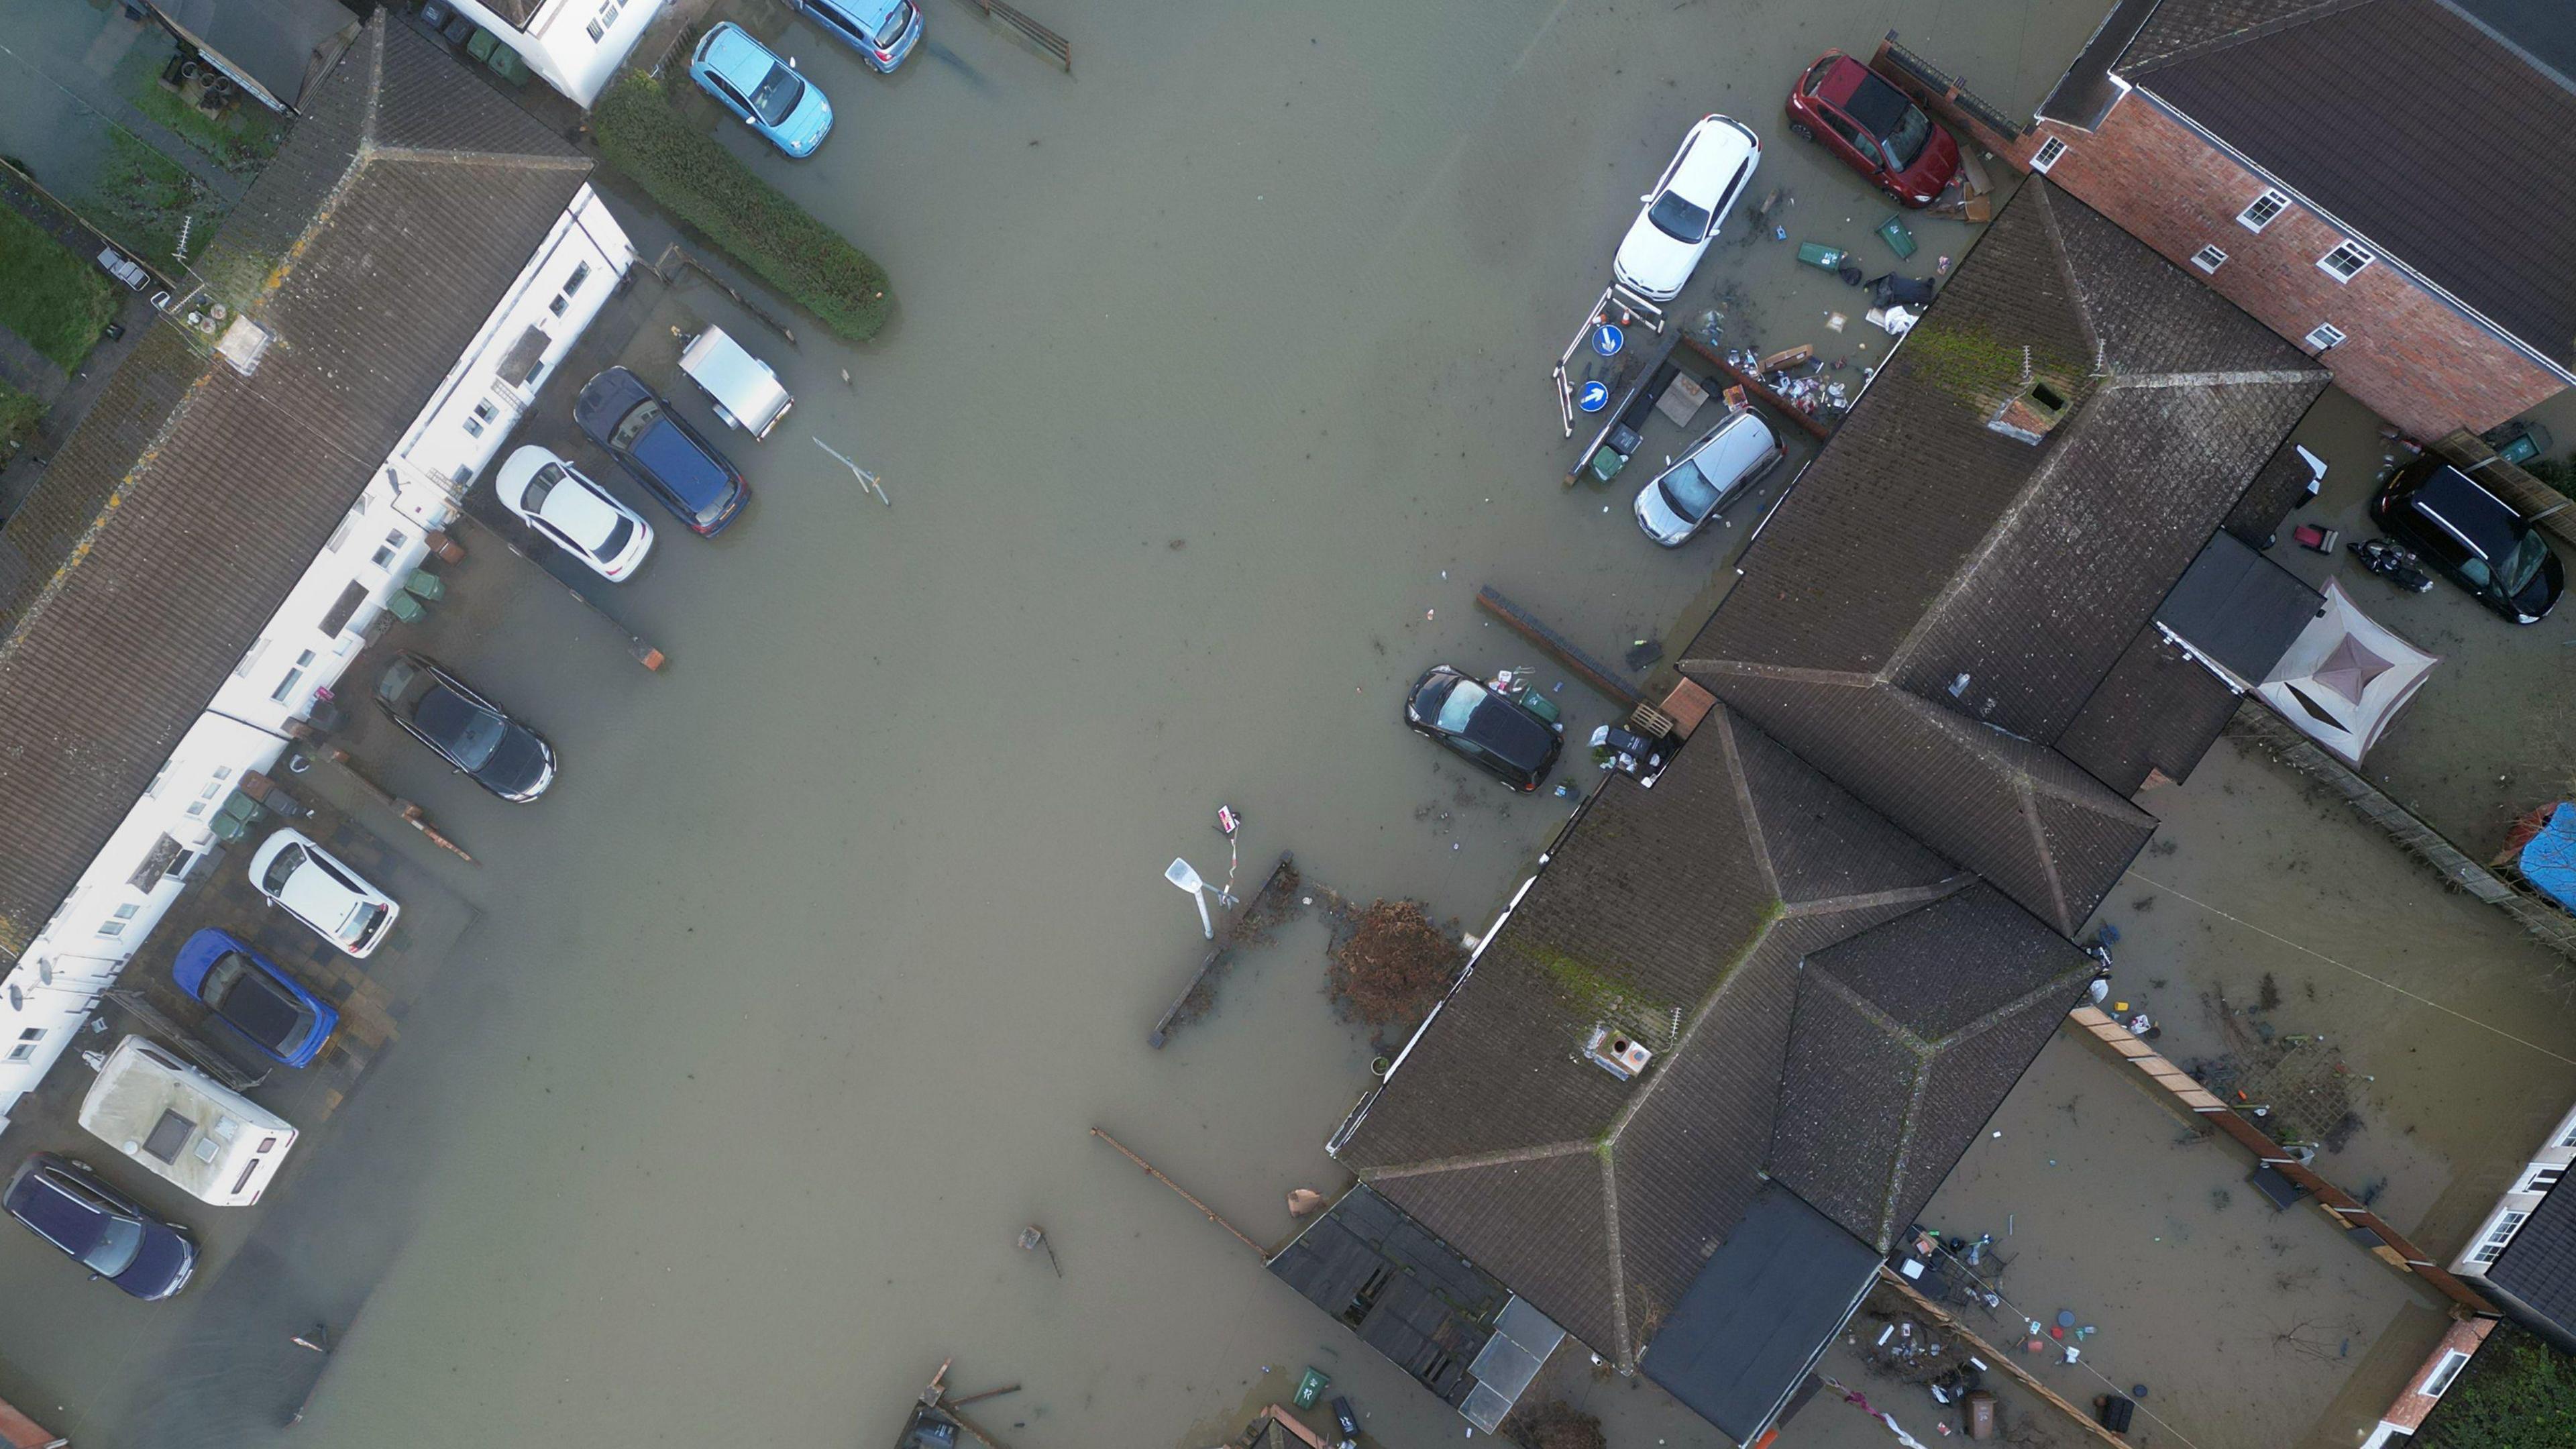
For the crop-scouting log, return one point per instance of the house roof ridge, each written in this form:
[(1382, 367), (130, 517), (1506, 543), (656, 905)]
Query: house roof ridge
[(1789, 673), (1940, 890), (2180, 55), (1469, 1161), (572, 161), (1616, 1258), (1755, 834)]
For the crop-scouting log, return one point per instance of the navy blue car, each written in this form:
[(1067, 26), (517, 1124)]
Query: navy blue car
[(247, 992), (619, 413), (102, 1229)]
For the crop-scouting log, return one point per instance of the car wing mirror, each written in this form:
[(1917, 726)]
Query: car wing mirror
[(791, 62)]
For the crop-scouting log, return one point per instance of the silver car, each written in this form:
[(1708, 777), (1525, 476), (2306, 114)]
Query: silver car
[(1684, 497)]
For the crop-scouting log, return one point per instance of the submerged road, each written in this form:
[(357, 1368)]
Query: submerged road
[(1219, 387)]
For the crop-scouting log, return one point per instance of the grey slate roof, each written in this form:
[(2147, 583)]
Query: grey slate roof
[(2437, 138), (1596, 1199), (1905, 1038), (175, 519), (1921, 546), (2539, 1266)]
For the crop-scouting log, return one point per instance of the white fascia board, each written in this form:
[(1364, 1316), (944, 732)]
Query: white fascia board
[(556, 43)]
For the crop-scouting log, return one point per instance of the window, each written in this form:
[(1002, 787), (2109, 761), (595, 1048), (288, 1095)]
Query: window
[(2568, 1137), (180, 865), (2541, 1177), (2321, 337), (31, 1033), (572, 284), (2209, 259), (2047, 154), (294, 676), (114, 926), (2444, 1372), (393, 544), (2262, 210), (2346, 261), (205, 800), (22, 1053), (2491, 1247), (483, 413)]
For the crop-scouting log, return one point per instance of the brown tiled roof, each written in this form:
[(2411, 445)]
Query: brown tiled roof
[(2189, 27), (2406, 120), (2158, 710), (1936, 604), (1695, 901), (1906, 1036), (178, 515)]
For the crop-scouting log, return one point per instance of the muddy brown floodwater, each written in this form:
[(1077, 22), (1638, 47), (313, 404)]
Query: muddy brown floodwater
[(1218, 388)]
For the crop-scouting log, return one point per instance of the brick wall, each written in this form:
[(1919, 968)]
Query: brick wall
[(2410, 356)]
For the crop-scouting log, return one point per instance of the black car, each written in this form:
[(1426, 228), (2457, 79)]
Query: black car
[(1494, 732), (619, 413), (468, 731), (101, 1228), (2476, 539)]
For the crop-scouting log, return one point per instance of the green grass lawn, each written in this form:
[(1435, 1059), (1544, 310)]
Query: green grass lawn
[(53, 299), (19, 415)]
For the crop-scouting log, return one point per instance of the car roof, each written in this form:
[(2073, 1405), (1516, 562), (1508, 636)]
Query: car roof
[(1717, 152), (42, 1203), (1509, 729), (866, 14), (1736, 445), (1871, 101), (580, 509), (731, 52), (262, 1006), (315, 892), (668, 451), (2468, 507)]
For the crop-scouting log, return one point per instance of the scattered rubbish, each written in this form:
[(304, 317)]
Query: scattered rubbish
[(1898, 291), (1941, 265), (1894, 321), (2316, 538), (1643, 653), (1779, 233), (2066, 1318), (1346, 1419), (1789, 357), (1835, 322)]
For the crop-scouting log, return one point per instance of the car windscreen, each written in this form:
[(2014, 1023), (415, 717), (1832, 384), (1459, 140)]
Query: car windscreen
[(615, 544), (1460, 707), (638, 421), (119, 1241), (468, 731), (775, 98), (1688, 493), (1676, 217), (250, 1000), (282, 869), (2516, 569)]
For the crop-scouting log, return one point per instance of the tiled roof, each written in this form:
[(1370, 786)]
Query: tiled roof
[(2158, 710), (2437, 139), (1906, 1036), (2539, 1266), (1938, 604), (1597, 1199), (179, 514)]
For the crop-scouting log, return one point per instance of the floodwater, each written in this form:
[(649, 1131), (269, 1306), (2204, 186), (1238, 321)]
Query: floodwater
[(1219, 386)]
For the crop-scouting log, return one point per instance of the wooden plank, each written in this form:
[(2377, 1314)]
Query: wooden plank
[(1996, 1356), (1594, 674)]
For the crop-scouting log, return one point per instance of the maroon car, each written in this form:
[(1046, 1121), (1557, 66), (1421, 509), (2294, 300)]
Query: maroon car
[(1874, 128)]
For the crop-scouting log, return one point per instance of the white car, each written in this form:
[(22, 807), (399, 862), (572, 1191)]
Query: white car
[(1684, 497), (1682, 214), (574, 513), (317, 889)]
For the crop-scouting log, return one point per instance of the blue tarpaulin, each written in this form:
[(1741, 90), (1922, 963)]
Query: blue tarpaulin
[(2548, 859)]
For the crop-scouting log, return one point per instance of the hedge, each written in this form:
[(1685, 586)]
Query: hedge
[(2517, 1393), (707, 187)]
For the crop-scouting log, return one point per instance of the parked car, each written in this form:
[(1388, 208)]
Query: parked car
[(1680, 500), (2474, 538), (1687, 205), (883, 32), (574, 513), (748, 79), (1494, 732), (100, 1228), (660, 450), (316, 888), (469, 732), (1874, 128), (254, 996)]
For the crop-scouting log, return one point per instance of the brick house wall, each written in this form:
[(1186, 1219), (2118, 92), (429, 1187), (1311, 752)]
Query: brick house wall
[(2409, 354)]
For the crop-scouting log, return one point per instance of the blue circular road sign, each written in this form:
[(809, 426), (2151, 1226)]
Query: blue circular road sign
[(1607, 339), (1594, 397)]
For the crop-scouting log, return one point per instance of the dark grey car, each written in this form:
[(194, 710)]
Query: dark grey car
[(1494, 732), (102, 1229)]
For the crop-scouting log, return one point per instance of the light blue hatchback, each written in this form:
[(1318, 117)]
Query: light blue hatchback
[(748, 79)]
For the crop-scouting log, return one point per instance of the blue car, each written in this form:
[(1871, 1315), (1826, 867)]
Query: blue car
[(100, 1228), (246, 992), (748, 79), (883, 32)]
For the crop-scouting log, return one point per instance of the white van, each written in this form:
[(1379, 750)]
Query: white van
[(216, 1144), (746, 393)]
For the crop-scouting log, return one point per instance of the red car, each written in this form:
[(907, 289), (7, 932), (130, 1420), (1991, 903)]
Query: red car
[(1874, 128)]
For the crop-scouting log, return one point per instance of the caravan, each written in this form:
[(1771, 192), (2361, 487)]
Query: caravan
[(177, 1122)]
